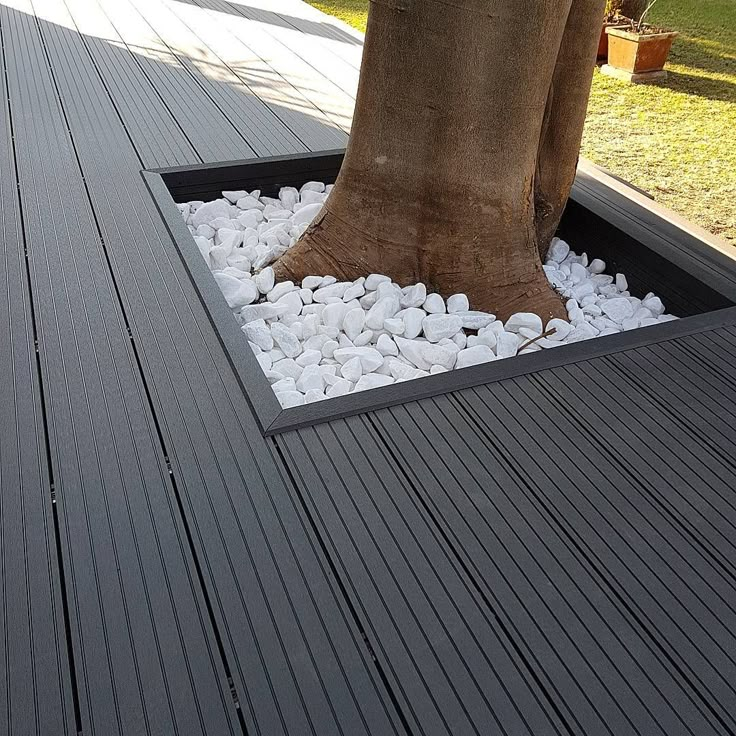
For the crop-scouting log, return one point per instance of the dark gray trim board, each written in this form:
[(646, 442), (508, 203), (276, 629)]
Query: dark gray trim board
[(256, 388), (697, 281)]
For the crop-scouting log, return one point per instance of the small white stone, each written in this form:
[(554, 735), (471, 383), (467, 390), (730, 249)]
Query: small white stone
[(311, 282), (412, 351), (324, 293), (386, 346), (597, 266), (383, 309), (354, 291), (311, 378), (617, 309), (373, 280), (476, 320), (286, 340), (413, 296), (288, 367), (394, 325), (352, 370), (261, 311), (353, 322), (413, 318), (434, 304), (583, 288), (369, 358), (506, 345), (312, 186), (264, 280), (328, 349), (435, 369), (438, 354), (621, 283), (475, 356), (237, 293), (249, 203), (582, 331), (524, 319), (258, 332), (211, 210), (341, 387), (289, 196), (363, 339), (561, 329), (367, 300), (264, 360), (558, 250), (314, 395), (438, 326), (285, 384), (458, 303), (309, 357), (280, 289), (373, 380), (485, 337), (403, 372), (310, 197), (291, 302), (289, 399), (306, 214), (654, 305), (334, 314)]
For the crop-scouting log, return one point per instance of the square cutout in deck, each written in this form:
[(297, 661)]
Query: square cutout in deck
[(605, 217)]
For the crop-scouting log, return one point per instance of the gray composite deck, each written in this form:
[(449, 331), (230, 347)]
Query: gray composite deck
[(549, 553)]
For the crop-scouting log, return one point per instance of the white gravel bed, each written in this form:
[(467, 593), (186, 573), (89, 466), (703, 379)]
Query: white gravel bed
[(323, 338)]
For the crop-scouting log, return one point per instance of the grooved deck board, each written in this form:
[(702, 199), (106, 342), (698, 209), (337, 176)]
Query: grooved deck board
[(296, 658), (145, 659), (36, 695)]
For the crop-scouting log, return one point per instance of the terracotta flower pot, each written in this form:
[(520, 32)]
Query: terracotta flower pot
[(603, 42), (638, 57)]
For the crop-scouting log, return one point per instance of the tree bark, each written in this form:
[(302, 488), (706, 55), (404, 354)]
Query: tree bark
[(567, 105), (438, 181)]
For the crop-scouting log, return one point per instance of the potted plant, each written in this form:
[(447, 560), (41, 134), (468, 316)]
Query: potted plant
[(618, 13), (639, 51)]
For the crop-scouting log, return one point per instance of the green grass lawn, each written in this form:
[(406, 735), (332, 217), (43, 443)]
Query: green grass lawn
[(676, 138)]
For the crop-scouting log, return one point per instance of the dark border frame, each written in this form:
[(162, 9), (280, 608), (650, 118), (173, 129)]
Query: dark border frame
[(710, 261)]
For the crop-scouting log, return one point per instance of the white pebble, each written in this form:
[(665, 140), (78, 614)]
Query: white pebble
[(458, 303), (524, 319), (438, 326), (373, 380), (434, 304), (474, 356), (286, 340)]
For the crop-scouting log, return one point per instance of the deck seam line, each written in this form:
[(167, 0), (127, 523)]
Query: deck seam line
[(490, 606), (143, 380), (42, 403), (564, 535)]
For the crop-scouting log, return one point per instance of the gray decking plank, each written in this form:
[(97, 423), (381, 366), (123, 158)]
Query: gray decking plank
[(581, 648), (265, 133), (37, 686), (320, 90), (158, 135), (297, 659), (146, 659), (235, 49), (683, 611), (450, 665), (212, 134)]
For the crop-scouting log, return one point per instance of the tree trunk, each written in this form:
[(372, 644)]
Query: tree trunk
[(438, 181), (565, 118)]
